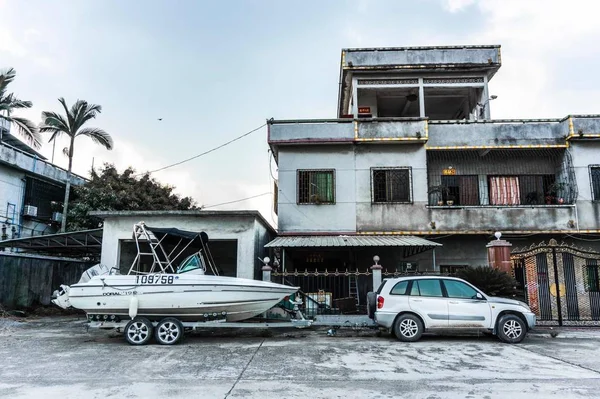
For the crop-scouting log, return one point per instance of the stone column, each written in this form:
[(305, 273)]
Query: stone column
[(499, 254), (266, 270), (376, 270)]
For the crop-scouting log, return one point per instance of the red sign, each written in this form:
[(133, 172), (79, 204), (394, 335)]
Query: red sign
[(364, 110)]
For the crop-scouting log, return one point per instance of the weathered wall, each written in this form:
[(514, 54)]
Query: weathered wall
[(339, 217), (242, 229), (585, 154), (29, 280), (12, 188)]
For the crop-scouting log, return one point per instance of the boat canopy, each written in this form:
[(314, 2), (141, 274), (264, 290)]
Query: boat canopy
[(161, 232)]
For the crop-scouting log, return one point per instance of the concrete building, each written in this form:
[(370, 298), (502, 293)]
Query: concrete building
[(236, 238), (29, 185), (413, 151)]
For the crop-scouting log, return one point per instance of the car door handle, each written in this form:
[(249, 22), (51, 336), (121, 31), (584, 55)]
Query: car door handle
[(417, 300), (454, 302)]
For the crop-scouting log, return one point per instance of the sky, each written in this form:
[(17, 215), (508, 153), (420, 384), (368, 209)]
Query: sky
[(214, 70)]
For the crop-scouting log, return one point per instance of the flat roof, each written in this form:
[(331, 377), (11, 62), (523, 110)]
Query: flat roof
[(70, 244), (194, 213), (8, 139)]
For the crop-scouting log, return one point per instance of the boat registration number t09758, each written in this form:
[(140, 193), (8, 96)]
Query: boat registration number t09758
[(154, 279)]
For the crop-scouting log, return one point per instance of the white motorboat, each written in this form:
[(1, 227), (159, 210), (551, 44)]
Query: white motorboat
[(184, 293)]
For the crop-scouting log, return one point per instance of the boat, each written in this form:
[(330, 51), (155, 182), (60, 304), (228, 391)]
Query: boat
[(155, 288)]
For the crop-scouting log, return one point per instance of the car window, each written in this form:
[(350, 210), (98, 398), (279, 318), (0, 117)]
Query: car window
[(400, 288), (429, 287), (458, 289)]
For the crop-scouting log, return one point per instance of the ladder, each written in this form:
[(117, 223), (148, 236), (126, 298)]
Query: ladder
[(353, 288)]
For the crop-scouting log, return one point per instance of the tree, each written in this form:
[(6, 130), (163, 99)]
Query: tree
[(9, 102), (109, 190), (72, 125)]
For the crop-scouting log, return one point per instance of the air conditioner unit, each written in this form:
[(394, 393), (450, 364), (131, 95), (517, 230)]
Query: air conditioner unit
[(57, 216), (30, 210)]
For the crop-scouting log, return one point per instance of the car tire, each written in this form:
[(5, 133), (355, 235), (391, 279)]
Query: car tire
[(138, 331), (408, 328), (371, 304), (511, 329)]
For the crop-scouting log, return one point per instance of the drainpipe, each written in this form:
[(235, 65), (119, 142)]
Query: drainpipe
[(434, 266)]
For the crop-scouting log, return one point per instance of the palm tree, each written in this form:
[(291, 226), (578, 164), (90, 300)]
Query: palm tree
[(72, 126), (8, 103)]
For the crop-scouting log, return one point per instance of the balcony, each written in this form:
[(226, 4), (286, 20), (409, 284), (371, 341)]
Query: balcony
[(334, 131)]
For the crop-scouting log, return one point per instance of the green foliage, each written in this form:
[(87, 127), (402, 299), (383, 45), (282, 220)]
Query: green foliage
[(109, 190), (9, 102), (491, 281)]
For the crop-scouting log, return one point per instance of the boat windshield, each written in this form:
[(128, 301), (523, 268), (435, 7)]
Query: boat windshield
[(190, 263)]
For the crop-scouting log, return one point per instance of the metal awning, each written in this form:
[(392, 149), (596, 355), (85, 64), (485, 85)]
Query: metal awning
[(75, 243), (411, 244)]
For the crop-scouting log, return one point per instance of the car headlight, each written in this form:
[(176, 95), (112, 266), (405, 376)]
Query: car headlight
[(526, 306)]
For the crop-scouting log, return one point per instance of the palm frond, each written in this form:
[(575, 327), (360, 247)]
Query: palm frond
[(52, 121), (6, 77), (55, 132), (83, 112), (70, 117), (11, 101), (28, 130), (98, 135)]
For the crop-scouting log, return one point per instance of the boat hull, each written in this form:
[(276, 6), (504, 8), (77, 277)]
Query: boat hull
[(186, 297)]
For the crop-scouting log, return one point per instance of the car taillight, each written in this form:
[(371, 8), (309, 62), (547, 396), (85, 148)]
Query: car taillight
[(379, 302)]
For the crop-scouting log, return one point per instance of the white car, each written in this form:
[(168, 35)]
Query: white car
[(408, 306)]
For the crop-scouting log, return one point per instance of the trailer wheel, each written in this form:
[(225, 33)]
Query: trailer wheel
[(168, 331), (138, 331)]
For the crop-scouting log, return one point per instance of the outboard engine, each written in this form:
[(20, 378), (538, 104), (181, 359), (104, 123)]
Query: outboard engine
[(61, 296)]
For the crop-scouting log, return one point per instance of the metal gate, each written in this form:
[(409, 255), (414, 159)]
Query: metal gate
[(560, 282)]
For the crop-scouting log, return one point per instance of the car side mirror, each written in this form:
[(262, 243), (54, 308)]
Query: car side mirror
[(479, 296)]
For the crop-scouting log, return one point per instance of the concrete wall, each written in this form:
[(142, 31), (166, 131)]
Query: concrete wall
[(12, 189), (339, 217), (584, 154), (242, 229)]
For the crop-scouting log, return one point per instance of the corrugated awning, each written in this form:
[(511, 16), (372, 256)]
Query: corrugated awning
[(74, 243), (412, 245)]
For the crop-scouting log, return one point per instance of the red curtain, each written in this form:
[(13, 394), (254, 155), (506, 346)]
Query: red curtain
[(504, 191)]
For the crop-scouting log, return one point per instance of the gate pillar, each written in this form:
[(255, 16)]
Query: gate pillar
[(376, 269), (499, 254)]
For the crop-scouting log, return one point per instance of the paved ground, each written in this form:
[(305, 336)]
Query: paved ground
[(58, 358)]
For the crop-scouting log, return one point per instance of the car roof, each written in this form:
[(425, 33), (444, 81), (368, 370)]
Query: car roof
[(421, 277)]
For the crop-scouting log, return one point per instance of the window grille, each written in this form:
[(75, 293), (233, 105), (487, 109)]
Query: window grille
[(41, 194), (316, 187), (391, 185), (595, 182), (590, 272), (499, 177)]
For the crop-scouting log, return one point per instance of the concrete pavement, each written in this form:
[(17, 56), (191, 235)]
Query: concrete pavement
[(58, 358)]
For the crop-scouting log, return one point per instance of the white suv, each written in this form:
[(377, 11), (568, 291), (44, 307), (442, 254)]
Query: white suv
[(408, 306)]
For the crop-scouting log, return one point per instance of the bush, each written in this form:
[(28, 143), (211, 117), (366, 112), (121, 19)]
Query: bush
[(491, 281)]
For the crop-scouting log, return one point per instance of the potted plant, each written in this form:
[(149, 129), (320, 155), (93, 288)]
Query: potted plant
[(554, 194), (440, 192), (450, 200)]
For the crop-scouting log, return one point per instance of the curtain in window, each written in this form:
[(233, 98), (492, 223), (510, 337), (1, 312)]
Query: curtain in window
[(504, 191), (322, 186), (468, 190)]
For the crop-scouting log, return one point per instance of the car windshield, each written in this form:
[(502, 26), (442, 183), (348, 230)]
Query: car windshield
[(192, 262)]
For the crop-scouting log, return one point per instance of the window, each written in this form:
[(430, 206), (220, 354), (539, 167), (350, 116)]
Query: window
[(504, 190), (458, 289), (316, 187), (429, 287), (463, 190), (538, 189), (595, 182), (391, 185), (592, 283), (400, 288)]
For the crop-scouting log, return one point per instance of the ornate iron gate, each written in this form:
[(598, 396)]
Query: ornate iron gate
[(560, 282)]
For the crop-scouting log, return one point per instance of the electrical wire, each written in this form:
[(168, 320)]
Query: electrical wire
[(204, 153), (239, 200)]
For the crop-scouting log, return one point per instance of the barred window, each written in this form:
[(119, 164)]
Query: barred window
[(463, 190), (591, 276), (391, 185), (316, 187), (525, 190), (595, 182)]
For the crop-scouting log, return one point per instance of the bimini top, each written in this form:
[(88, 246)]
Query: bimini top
[(164, 233)]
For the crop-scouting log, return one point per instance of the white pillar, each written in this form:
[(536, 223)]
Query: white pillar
[(376, 270)]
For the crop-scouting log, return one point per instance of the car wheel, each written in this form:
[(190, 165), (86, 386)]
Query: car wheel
[(408, 328), (511, 329), (138, 331), (371, 304)]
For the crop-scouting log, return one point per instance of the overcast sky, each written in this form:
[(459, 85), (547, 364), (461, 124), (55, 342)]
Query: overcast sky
[(213, 70)]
